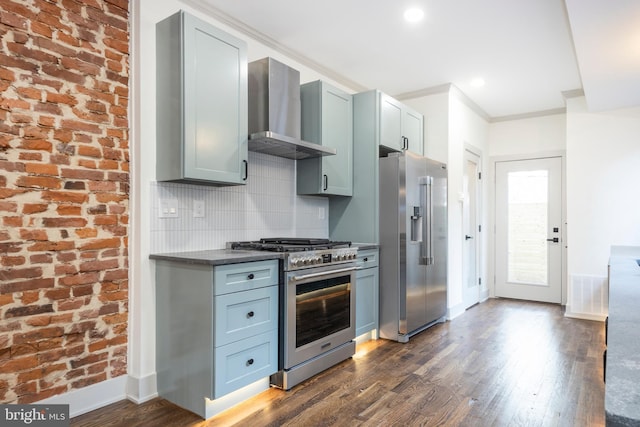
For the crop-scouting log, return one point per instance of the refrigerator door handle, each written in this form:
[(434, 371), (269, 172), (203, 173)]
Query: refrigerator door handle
[(426, 246)]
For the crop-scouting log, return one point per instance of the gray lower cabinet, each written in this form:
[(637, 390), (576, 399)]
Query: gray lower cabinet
[(216, 329), (367, 293), (327, 119), (201, 98)]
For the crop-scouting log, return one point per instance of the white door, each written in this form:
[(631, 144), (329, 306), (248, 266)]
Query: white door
[(528, 229), (470, 223)]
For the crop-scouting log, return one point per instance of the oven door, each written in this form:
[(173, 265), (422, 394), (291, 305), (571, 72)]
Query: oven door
[(320, 311)]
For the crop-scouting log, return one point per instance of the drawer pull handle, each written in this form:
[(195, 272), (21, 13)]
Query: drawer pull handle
[(250, 276), (249, 362), (250, 314)]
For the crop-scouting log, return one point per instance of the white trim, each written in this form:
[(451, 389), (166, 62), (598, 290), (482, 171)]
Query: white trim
[(140, 390), (584, 316), (534, 114), (492, 214), (92, 397), (455, 311)]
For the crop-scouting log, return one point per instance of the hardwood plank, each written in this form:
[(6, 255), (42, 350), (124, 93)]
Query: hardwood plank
[(503, 362)]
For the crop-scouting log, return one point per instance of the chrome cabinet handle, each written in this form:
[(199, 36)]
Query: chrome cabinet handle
[(325, 273)]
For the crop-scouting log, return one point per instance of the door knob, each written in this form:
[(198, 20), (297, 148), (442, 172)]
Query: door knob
[(467, 237), (554, 240)]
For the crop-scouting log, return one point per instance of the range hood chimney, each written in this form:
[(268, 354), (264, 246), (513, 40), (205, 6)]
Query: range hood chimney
[(274, 112)]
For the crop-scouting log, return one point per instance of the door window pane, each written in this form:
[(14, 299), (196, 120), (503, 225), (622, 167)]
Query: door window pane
[(527, 227)]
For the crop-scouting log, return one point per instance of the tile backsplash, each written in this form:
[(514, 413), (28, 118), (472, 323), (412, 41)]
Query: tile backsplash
[(266, 207)]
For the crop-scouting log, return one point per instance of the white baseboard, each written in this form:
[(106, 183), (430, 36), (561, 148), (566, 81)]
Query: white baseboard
[(584, 316), (140, 390), (92, 397), (484, 295), (455, 311)]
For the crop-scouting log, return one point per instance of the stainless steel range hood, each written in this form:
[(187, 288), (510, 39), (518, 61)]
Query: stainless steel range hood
[(274, 112)]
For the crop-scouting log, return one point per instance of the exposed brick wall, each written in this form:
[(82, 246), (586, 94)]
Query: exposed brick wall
[(64, 195)]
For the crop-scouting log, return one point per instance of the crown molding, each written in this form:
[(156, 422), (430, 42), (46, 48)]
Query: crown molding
[(575, 93), (264, 39), (531, 115), (424, 92)]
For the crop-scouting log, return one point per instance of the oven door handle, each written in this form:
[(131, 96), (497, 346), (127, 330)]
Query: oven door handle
[(325, 273)]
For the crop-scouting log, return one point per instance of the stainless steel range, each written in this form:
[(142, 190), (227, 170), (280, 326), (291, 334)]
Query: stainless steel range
[(317, 325)]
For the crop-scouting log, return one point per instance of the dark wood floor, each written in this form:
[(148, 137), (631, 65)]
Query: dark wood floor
[(502, 363)]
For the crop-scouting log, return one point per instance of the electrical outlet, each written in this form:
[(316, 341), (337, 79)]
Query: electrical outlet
[(168, 208), (198, 208)]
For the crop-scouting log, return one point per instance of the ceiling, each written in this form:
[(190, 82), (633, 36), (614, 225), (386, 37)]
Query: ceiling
[(524, 50)]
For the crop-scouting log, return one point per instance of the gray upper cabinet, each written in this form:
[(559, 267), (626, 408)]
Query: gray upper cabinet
[(327, 119), (401, 128), (201, 98)]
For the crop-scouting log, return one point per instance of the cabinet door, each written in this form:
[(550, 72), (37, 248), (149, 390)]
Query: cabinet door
[(391, 123), (337, 132), (366, 300), (243, 314), (327, 119), (201, 91), (215, 104), (413, 130)]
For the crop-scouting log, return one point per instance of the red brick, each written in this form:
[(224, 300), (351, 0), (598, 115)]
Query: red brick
[(41, 259), (12, 221), (8, 207), (36, 144), (20, 273), (64, 222), (26, 285), (31, 208), (101, 244), (41, 169), (11, 261), (18, 364), (30, 234), (60, 98), (85, 233), (79, 279), (58, 293), (51, 246), (64, 196)]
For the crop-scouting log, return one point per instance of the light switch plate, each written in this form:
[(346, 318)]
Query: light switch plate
[(168, 208), (198, 208)]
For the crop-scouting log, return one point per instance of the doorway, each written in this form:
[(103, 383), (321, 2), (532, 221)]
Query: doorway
[(471, 211), (528, 233)]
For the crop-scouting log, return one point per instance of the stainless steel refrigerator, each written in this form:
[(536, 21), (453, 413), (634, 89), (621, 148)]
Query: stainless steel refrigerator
[(413, 244)]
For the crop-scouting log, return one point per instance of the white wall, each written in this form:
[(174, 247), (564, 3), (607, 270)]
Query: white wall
[(603, 207), (528, 136)]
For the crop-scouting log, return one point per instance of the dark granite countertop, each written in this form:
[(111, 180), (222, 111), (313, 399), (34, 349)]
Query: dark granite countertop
[(217, 256), (622, 389)]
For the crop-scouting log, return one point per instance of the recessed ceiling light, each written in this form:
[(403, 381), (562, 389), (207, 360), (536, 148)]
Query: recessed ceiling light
[(413, 14), (477, 82)]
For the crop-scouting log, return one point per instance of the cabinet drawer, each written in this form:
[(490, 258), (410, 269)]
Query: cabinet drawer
[(241, 363), (244, 314), (367, 258), (245, 276)]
